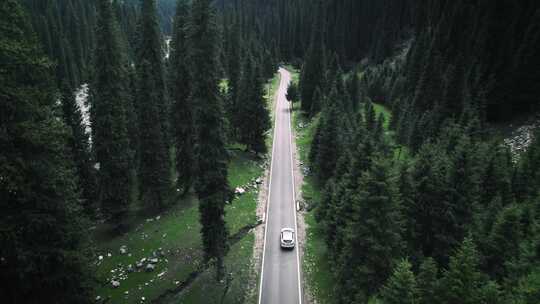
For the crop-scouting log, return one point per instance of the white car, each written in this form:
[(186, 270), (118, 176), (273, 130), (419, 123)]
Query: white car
[(287, 238)]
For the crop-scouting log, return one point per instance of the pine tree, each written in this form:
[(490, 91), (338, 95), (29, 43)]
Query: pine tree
[(463, 281), (328, 142), (428, 282), (80, 150), (253, 116), (183, 124), (292, 92), (373, 236), (42, 243), (236, 50), (430, 216), (313, 70), (109, 125), (401, 287), (212, 185), (154, 174), (503, 242)]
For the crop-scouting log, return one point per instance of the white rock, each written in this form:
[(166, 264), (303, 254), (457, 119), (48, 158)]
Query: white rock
[(100, 257), (153, 260), (115, 284), (239, 190), (109, 255), (150, 267)]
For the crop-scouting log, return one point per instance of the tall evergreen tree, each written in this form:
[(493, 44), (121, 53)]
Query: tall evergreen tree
[(110, 97), (212, 185), (463, 280), (428, 282), (253, 116), (401, 287), (42, 238), (79, 143), (373, 239), (313, 70), (183, 123), (154, 171)]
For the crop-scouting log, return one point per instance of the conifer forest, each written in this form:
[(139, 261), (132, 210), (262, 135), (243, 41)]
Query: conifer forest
[(159, 151)]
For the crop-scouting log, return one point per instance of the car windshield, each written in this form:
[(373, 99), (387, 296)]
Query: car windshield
[(287, 235)]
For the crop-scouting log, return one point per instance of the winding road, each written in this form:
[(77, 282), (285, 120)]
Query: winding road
[(280, 276)]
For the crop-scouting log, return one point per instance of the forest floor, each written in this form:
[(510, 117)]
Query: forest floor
[(171, 242)]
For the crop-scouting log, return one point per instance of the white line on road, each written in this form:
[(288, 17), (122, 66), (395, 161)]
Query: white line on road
[(269, 191), (294, 203)]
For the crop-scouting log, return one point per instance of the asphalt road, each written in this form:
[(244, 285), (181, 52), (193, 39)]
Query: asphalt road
[(280, 277)]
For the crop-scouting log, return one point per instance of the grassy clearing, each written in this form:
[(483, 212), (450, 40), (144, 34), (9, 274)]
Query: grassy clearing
[(177, 233), (401, 153)]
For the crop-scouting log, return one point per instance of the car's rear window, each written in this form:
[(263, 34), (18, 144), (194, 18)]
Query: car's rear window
[(287, 235)]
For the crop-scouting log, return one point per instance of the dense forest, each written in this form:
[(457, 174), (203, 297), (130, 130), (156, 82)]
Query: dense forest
[(423, 206), (437, 210)]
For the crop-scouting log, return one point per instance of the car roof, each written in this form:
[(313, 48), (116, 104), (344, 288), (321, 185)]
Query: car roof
[(287, 229)]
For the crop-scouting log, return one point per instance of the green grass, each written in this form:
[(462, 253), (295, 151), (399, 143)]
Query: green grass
[(317, 269), (237, 263), (177, 232), (381, 109)]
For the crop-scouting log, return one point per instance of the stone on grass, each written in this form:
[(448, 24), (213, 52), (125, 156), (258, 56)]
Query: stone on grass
[(115, 283), (153, 260), (123, 249), (239, 190), (150, 267), (139, 265)]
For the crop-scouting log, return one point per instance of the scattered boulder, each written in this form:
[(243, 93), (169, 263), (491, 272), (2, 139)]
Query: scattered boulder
[(153, 260), (258, 181), (130, 268), (139, 265), (123, 249), (239, 190), (115, 283), (150, 267)]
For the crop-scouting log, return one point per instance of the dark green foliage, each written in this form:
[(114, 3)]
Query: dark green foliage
[(110, 98), (182, 116), (401, 287), (253, 116), (373, 235), (527, 181), (42, 232), (211, 186), (153, 112), (504, 240), (431, 217), (313, 70), (66, 30), (327, 144), (80, 150), (463, 282), (428, 282), (292, 92)]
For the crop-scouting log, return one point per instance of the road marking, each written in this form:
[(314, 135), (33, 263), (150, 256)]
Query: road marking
[(269, 189), (294, 202)]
